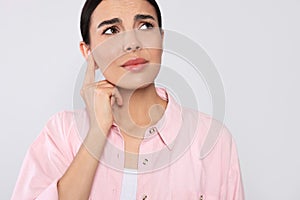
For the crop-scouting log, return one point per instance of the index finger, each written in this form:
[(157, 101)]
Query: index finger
[(90, 71)]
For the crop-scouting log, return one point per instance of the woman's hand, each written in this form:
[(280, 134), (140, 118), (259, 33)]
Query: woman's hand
[(99, 98), (77, 181)]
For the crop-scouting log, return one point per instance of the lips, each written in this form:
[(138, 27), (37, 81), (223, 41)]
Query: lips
[(135, 64)]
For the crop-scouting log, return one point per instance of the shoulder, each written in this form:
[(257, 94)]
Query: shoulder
[(60, 128), (59, 122), (211, 134)]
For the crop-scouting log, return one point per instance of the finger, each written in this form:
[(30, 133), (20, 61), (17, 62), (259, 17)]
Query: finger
[(105, 82), (113, 94), (102, 83), (90, 71), (99, 84), (104, 86), (118, 96), (112, 100)]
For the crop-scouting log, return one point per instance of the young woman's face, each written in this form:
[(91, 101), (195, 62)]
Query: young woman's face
[(126, 42)]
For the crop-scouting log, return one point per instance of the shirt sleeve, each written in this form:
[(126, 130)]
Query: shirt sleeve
[(235, 190), (45, 162)]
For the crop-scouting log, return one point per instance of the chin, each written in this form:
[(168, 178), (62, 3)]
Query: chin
[(133, 81), (133, 85)]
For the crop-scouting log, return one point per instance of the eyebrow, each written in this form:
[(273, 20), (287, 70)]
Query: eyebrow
[(118, 20), (109, 22), (141, 16)]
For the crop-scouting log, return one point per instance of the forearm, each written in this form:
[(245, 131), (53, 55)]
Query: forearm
[(77, 181)]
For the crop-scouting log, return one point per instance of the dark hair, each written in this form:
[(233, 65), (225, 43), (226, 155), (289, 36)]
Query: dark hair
[(90, 6)]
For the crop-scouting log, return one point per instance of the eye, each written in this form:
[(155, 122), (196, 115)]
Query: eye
[(146, 26), (110, 31)]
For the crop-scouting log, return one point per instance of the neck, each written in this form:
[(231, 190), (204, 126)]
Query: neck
[(141, 108)]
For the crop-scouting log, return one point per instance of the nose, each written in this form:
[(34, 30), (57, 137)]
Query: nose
[(131, 42)]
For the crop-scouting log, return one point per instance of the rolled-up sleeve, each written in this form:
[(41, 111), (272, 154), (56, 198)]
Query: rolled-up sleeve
[(45, 162), (50, 192)]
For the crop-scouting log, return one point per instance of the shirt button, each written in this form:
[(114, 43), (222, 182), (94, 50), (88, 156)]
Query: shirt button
[(152, 130), (145, 161), (201, 197), (144, 197)]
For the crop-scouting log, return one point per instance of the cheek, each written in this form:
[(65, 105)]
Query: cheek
[(151, 39), (113, 75), (156, 54), (107, 52), (104, 57)]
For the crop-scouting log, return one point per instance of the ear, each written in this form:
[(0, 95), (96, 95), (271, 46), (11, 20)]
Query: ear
[(85, 49), (162, 32)]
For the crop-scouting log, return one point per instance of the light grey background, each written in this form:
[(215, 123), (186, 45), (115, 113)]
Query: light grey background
[(254, 44)]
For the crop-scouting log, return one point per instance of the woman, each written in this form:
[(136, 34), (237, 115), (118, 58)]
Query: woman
[(124, 40)]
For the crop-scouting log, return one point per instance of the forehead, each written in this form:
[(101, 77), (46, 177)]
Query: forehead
[(124, 9)]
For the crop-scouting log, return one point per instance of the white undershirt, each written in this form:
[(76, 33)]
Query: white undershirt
[(129, 184)]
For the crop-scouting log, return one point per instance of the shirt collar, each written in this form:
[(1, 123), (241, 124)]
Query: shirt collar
[(169, 125)]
